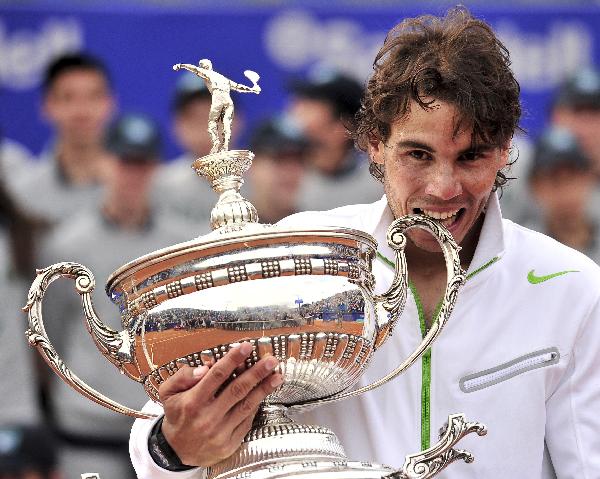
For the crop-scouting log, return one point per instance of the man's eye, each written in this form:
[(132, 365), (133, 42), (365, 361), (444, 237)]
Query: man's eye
[(419, 154), (471, 156)]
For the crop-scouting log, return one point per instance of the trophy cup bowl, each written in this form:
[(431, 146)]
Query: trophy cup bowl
[(304, 296)]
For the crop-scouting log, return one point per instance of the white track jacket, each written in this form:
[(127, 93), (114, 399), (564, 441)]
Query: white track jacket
[(521, 354)]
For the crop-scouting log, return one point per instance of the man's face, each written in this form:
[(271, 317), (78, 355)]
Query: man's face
[(584, 123), (433, 170), (131, 182), (326, 132), (191, 127), (79, 105), (279, 175), (563, 192)]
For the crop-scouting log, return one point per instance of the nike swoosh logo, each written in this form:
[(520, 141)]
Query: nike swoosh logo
[(533, 279)]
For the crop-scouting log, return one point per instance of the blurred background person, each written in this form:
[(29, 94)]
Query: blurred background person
[(338, 174), (178, 190), (15, 161), (78, 103), (24, 450), (577, 108), (28, 452), (122, 227), (273, 182), (19, 236), (191, 106), (562, 181)]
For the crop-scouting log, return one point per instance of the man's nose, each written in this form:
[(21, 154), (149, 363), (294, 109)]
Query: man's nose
[(443, 183)]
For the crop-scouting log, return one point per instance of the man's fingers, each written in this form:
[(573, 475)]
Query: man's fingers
[(220, 372), (238, 434), (246, 407), (181, 381), (241, 387)]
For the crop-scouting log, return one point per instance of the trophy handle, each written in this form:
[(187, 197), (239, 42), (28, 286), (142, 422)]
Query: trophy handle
[(428, 463), (115, 346), (394, 299)]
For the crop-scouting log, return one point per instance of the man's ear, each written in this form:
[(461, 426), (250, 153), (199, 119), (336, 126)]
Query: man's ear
[(506, 152), (375, 149)]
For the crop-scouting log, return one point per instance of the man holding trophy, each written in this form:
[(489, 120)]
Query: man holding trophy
[(231, 331), (520, 354)]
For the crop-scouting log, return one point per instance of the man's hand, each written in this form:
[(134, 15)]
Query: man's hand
[(204, 427), (177, 66)]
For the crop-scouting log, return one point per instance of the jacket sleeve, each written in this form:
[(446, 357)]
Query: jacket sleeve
[(573, 411), (144, 465)]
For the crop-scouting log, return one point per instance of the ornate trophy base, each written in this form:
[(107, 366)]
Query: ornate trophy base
[(278, 447), (314, 468)]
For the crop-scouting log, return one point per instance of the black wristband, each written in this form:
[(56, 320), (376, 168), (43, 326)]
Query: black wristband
[(161, 451)]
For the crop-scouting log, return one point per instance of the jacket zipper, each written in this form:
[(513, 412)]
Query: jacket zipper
[(425, 371), (426, 358)]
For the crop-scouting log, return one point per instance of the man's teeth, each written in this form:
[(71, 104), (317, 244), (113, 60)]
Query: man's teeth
[(440, 215)]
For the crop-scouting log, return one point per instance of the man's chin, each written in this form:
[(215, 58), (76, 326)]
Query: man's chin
[(425, 244), (425, 241)]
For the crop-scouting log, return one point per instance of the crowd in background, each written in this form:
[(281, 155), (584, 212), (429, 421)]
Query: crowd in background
[(102, 194)]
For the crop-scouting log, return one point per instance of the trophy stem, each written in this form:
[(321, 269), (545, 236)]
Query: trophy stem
[(275, 441), (270, 415), (224, 171)]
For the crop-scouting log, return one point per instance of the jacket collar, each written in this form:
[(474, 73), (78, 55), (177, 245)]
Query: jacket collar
[(491, 242)]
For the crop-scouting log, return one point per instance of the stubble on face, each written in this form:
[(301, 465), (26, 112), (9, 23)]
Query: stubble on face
[(432, 168)]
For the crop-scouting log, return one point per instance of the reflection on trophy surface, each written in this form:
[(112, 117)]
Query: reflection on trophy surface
[(305, 296)]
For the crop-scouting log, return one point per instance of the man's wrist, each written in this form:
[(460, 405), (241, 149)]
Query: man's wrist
[(161, 451)]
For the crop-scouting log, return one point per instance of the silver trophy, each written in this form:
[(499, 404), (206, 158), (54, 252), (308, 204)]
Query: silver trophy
[(305, 296)]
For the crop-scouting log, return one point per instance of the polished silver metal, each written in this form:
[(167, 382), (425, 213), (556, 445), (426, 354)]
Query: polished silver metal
[(220, 117), (116, 347), (224, 168), (224, 171), (304, 296), (431, 461)]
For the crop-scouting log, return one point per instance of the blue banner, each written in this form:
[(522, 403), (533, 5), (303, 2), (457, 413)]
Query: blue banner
[(140, 46)]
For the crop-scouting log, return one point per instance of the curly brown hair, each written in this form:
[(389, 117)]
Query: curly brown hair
[(457, 59)]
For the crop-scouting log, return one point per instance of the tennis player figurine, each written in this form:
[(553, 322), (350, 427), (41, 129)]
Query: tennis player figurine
[(220, 117)]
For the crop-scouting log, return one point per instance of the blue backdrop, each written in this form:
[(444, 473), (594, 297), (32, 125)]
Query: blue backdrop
[(140, 45)]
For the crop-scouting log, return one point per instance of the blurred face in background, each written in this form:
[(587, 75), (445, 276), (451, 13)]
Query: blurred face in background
[(79, 105), (563, 192), (276, 179), (584, 123), (130, 184), (324, 129), (191, 127)]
